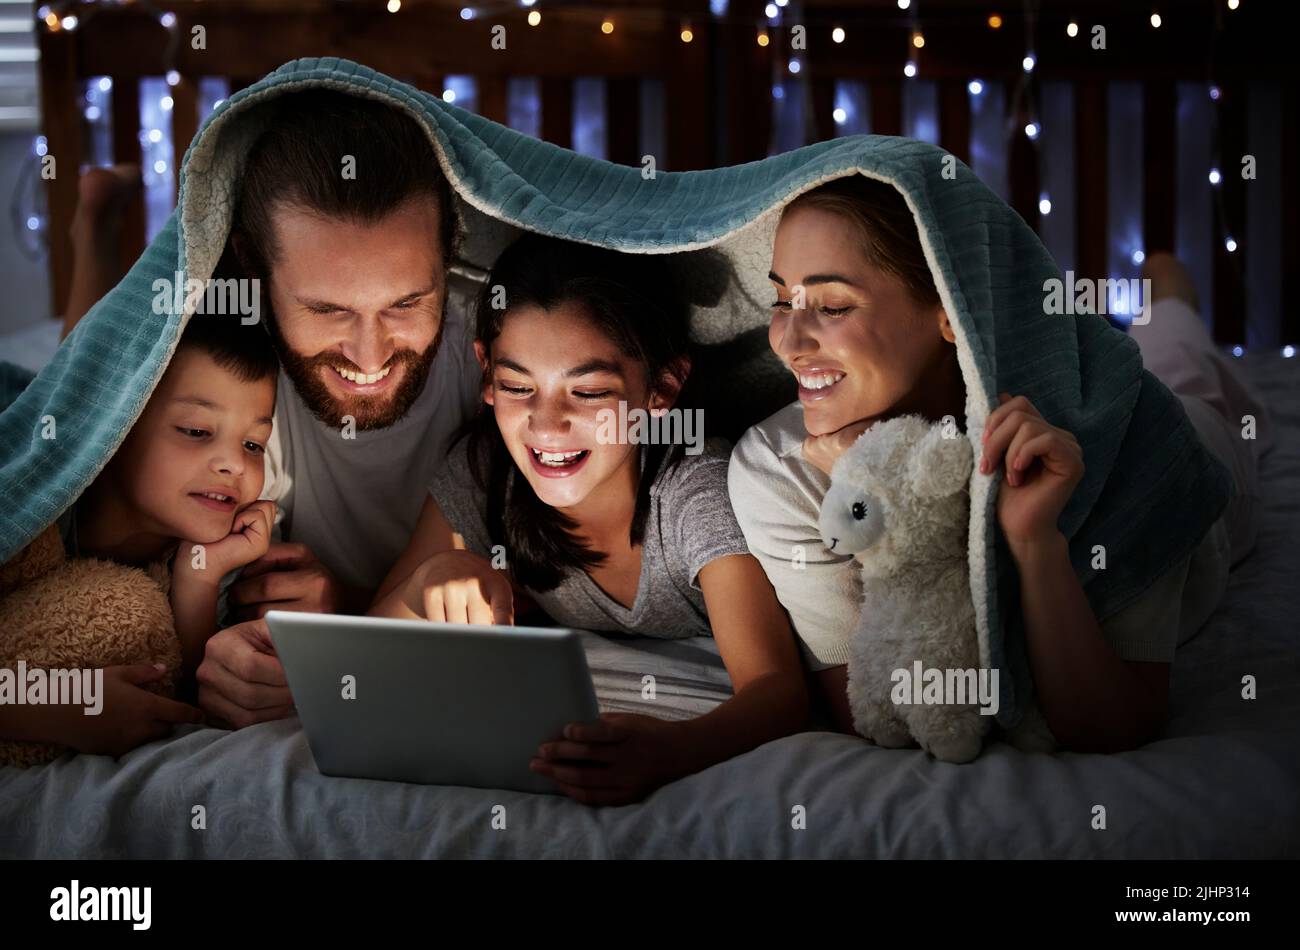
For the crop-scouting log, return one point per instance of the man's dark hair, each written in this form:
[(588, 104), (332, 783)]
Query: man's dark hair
[(298, 161)]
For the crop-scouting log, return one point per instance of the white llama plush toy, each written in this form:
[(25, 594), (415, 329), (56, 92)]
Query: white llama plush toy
[(899, 501)]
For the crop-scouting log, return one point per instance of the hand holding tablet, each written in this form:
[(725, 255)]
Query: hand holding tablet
[(436, 704)]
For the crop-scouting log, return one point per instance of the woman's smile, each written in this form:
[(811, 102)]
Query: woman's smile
[(816, 384)]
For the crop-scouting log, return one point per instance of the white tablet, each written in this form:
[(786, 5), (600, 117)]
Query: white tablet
[(432, 703)]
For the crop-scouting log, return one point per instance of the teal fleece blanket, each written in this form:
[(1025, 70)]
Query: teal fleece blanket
[(1151, 489)]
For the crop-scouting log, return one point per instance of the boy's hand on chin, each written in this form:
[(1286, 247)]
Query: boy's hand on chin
[(248, 540), (615, 760)]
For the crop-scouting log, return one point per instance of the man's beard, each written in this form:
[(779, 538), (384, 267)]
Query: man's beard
[(368, 412)]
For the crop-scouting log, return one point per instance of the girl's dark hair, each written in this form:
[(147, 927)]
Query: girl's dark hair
[(631, 299)]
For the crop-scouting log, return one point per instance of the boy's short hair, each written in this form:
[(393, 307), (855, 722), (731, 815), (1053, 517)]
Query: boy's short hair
[(244, 349)]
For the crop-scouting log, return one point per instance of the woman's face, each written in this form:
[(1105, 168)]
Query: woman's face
[(552, 373), (862, 347)]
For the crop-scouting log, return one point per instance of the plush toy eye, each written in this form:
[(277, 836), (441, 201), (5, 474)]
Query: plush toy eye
[(859, 510)]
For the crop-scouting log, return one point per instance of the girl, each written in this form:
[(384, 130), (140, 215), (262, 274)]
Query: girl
[(870, 340), (638, 539)]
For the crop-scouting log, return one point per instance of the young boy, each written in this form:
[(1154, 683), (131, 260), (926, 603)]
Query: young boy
[(182, 487)]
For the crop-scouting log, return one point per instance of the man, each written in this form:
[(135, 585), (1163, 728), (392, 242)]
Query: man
[(346, 218)]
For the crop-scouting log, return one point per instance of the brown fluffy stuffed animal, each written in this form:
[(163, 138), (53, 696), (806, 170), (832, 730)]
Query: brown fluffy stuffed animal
[(81, 614)]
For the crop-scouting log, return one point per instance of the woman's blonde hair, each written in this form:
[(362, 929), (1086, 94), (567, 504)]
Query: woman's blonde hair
[(889, 238)]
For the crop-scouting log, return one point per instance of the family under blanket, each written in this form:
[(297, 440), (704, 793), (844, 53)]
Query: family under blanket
[(471, 439)]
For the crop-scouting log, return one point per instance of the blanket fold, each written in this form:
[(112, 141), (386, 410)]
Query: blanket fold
[(1151, 489)]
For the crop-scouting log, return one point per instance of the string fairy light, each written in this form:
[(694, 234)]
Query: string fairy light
[(915, 41), (58, 17)]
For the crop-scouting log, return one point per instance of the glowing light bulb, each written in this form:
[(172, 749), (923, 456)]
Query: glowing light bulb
[(975, 87), (909, 70), (837, 35)]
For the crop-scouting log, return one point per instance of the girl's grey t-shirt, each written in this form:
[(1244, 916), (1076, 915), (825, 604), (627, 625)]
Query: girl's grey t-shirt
[(690, 523)]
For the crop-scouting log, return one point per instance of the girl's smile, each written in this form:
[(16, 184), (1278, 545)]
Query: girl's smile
[(557, 464)]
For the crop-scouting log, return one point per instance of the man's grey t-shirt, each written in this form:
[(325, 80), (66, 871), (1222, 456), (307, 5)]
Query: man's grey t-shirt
[(690, 523), (354, 502)]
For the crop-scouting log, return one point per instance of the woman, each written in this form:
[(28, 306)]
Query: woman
[(858, 320)]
